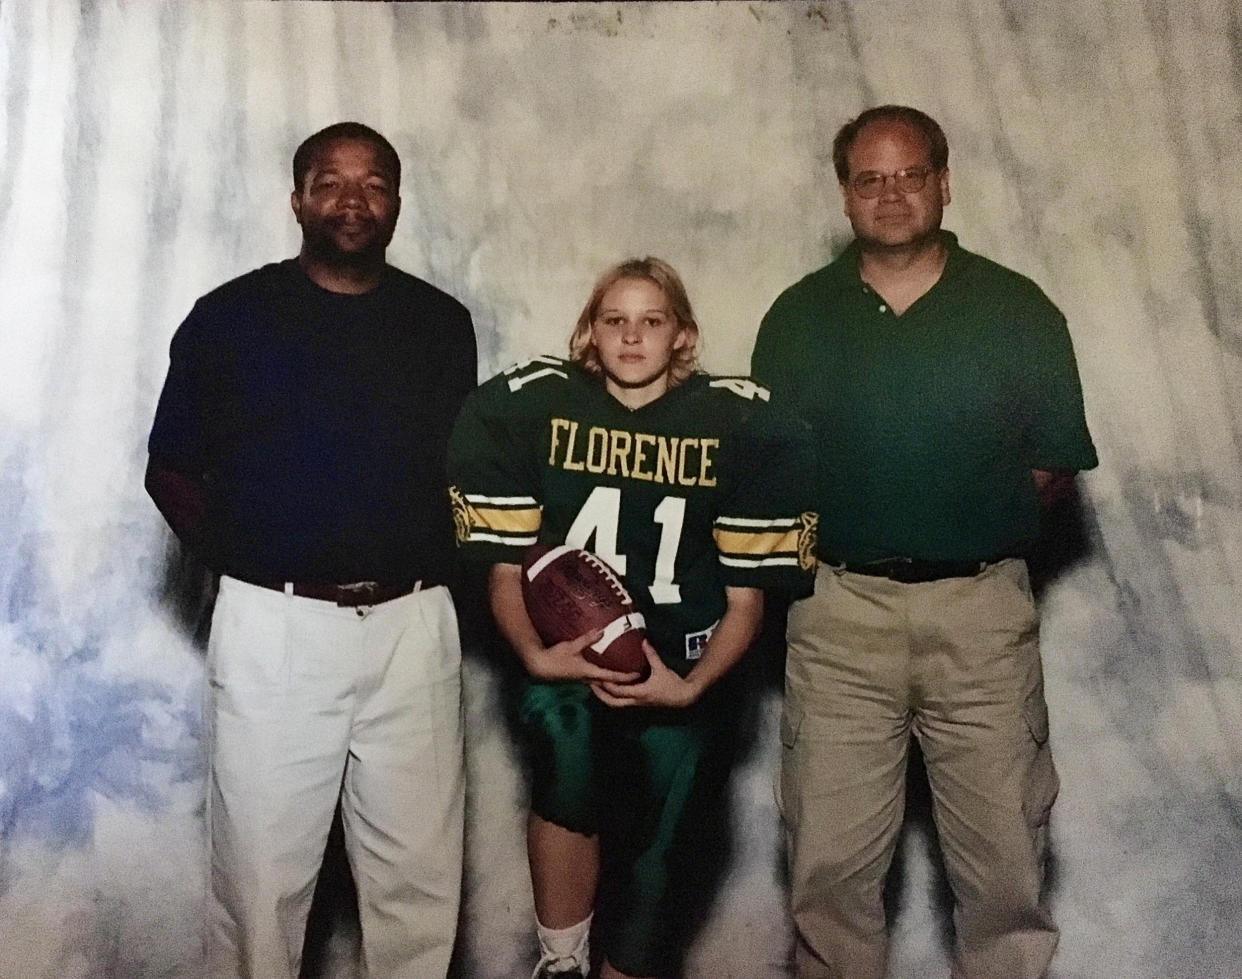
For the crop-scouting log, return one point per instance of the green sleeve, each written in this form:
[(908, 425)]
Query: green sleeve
[(1056, 435), (770, 362), (765, 527), (789, 335), (494, 483)]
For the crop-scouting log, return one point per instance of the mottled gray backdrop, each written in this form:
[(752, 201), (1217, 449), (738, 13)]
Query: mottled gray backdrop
[(1096, 146)]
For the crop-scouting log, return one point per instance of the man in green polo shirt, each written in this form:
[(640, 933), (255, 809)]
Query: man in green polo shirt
[(946, 404)]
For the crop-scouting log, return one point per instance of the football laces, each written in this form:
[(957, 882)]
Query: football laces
[(609, 575)]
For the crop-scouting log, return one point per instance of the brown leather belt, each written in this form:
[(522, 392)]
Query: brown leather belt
[(350, 595)]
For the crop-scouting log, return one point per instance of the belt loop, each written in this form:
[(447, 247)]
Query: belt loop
[(288, 589), (418, 585)]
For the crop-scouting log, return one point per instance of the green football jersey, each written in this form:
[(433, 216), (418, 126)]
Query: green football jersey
[(700, 489)]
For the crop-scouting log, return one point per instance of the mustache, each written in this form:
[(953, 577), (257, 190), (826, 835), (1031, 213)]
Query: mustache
[(351, 217)]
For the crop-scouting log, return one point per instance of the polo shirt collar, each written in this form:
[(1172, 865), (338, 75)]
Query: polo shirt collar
[(955, 262)]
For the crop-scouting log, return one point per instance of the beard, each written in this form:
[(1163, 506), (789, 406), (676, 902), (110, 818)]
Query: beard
[(330, 243)]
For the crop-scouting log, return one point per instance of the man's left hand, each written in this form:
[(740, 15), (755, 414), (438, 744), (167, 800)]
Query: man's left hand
[(1052, 485)]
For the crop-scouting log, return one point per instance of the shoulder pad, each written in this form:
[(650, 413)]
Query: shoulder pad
[(535, 369), (743, 387)]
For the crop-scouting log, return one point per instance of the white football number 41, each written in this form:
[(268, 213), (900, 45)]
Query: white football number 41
[(599, 517)]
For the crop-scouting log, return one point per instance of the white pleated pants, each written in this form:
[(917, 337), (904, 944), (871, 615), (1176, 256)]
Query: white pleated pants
[(309, 702)]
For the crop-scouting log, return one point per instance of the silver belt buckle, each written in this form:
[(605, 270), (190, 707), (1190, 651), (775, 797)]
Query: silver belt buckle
[(358, 590)]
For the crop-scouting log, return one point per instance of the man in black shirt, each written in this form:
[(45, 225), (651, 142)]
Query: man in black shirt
[(298, 450)]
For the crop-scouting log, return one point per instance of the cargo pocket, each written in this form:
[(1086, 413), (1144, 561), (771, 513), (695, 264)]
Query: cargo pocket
[(786, 784), (1036, 711), (1042, 782)]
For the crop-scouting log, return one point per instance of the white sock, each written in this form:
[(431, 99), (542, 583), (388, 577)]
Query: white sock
[(566, 943)]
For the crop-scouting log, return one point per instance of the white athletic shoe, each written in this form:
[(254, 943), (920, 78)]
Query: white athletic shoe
[(559, 967)]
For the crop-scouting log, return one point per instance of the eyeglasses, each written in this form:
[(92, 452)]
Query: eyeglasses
[(871, 183)]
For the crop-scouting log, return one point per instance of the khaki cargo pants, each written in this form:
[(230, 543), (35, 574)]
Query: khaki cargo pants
[(956, 663)]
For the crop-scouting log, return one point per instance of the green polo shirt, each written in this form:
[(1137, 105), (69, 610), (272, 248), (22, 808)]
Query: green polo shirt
[(927, 424)]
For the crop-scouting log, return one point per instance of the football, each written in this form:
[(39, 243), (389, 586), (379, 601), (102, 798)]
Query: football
[(569, 592)]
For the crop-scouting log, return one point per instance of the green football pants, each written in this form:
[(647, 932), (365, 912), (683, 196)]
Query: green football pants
[(649, 782)]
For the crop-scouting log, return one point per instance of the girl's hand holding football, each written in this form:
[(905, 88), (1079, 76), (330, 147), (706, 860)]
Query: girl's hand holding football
[(569, 660), (663, 688)]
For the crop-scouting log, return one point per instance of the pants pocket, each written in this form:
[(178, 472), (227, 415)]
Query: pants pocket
[(786, 783), (1035, 710), (1042, 781), (249, 644)]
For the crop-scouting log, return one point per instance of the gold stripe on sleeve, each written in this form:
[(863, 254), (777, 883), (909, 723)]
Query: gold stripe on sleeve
[(519, 521), (756, 542)]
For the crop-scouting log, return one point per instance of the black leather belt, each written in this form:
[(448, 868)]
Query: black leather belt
[(350, 595), (911, 571)]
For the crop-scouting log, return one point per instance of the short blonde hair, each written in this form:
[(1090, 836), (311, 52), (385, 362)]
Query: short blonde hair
[(582, 348)]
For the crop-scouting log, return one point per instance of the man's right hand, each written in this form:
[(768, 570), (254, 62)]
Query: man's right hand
[(181, 500)]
